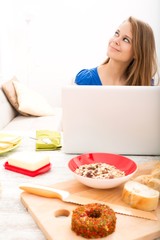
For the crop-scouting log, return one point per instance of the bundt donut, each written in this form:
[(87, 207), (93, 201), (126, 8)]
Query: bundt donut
[(93, 220)]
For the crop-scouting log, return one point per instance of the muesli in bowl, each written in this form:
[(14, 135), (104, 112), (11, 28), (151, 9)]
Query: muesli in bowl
[(102, 170)]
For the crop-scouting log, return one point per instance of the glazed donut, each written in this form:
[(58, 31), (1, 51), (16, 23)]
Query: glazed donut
[(93, 220)]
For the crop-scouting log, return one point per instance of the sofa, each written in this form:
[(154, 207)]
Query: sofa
[(16, 119)]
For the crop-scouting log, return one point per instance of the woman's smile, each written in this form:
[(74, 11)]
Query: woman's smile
[(113, 48)]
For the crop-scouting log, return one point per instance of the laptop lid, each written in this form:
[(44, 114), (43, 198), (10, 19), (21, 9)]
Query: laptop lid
[(114, 119)]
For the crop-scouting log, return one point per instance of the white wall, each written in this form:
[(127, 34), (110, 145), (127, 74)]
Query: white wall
[(46, 42)]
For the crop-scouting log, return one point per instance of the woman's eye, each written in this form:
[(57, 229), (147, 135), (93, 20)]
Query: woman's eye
[(116, 34), (126, 40)]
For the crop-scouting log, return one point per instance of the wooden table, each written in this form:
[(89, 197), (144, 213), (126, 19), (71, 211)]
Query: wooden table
[(15, 222)]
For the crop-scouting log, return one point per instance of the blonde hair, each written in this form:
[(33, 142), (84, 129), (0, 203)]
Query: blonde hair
[(143, 67)]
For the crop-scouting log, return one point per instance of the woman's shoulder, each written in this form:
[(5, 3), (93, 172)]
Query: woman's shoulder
[(88, 77)]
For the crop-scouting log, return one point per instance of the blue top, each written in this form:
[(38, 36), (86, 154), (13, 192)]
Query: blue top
[(88, 77), (91, 77)]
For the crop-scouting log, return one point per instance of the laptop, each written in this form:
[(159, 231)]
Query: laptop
[(113, 119)]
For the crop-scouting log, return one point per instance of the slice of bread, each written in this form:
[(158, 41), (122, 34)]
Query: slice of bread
[(149, 180), (154, 183), (144, 179), (140, 196), (156, 173)]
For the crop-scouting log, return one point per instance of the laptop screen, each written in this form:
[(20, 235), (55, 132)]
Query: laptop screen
[(114, 119)]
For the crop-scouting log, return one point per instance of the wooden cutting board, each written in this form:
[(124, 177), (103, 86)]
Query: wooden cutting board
[(54, 216)]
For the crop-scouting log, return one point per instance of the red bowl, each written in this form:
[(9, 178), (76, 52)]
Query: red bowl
[(122, 163)]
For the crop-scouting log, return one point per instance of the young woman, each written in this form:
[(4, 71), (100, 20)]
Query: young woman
[(131, 58)]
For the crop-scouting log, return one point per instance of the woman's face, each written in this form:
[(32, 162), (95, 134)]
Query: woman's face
[(120, 47)]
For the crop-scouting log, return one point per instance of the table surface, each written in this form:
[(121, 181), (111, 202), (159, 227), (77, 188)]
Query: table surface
[(15, 222)]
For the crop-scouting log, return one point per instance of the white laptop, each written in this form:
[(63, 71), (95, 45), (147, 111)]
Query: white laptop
[(113, 119)]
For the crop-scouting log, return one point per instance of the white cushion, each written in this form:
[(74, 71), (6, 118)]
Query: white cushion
[(31, 102), (7, 111), (10, 92)]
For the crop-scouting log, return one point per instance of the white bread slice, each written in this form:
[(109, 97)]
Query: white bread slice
[(149, 181), (156, 173), (140, 196), (29, 160)]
